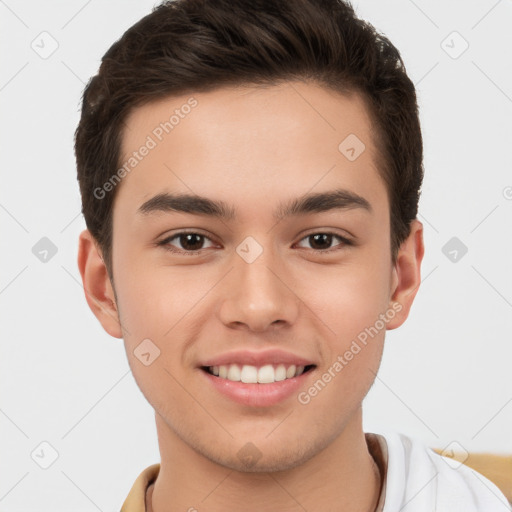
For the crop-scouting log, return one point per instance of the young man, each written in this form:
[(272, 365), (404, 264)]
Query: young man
[(250, 175)]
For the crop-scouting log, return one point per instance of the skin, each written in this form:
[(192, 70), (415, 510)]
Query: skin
[(254, 148)]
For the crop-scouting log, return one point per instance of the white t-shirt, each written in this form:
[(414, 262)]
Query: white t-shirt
[(417, 479)]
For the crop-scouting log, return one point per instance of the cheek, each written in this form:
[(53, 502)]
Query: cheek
[(157, 315), (349, 302), (350, 312), (347, 299), (162, 304), (150, 298)]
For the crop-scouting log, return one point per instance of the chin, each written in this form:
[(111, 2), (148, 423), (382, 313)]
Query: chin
[(269, 459)]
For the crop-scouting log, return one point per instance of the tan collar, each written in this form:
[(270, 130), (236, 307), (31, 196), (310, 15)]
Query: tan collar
[(136, 499)]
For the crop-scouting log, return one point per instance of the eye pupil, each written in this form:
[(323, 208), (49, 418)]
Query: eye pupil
[(187, 241), (321, 237)]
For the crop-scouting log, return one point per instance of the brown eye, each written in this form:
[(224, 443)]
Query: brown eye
[(185, 242), (191, 241), (320, 241), (323, 241)]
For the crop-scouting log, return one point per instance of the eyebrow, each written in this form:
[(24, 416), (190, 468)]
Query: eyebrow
[(338, 199)]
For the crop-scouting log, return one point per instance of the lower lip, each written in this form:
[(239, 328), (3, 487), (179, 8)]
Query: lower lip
[(257, 395)]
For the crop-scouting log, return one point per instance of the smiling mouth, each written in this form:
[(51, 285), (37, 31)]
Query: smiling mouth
[(265, 374)]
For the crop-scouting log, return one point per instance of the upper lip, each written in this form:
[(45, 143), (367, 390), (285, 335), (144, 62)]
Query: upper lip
[(257, 358)]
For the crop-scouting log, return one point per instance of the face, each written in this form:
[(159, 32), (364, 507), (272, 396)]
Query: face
[(277, 263)]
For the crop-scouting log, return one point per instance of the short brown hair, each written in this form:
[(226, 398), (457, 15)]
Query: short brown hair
[(184, 46)]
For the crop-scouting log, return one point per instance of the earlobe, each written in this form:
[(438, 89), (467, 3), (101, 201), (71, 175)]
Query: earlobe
[(407, 274), (97, 286)]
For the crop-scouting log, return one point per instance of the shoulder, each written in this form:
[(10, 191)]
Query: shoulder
[(419, 479)]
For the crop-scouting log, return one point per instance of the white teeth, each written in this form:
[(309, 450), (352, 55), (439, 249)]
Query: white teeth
[(251, 374), (291, 371), (280, 372), (234, 373), (266, 374)]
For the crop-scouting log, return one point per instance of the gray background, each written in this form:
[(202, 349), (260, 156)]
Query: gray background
[(445, 376)]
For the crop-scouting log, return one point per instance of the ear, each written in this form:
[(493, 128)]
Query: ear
[(406, 275), (97, 286)]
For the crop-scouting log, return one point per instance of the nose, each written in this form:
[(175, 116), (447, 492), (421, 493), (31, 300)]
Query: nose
[(257, 296)]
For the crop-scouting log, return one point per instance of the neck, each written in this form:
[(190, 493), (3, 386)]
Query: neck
[(343, 473)]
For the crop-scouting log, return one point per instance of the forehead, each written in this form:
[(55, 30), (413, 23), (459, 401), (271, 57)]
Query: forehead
[(287, 138)]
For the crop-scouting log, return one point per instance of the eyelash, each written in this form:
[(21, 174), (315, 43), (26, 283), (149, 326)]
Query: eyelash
[(165, 243)]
